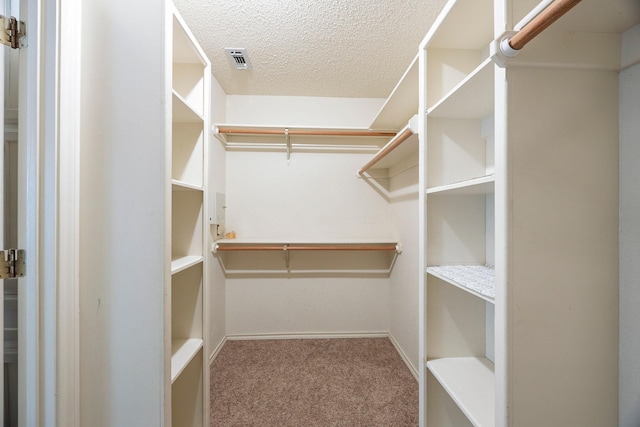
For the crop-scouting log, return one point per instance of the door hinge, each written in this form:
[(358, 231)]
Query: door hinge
[(12, 32), (12, 263)]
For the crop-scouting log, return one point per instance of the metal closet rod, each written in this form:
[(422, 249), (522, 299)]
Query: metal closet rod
[(539, 23), (301, 132), (387, 149), (301, 247)]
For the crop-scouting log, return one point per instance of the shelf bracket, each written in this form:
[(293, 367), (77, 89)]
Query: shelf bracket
[(287, 138), (285, 248)]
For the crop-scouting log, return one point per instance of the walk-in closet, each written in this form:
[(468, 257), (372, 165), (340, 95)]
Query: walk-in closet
[(478, 221)]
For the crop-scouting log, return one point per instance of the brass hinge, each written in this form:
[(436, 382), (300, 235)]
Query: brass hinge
[(12, 263), (12, 32)]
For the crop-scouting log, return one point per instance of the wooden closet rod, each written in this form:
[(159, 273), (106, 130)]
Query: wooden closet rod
[(301, 132), (318, 247), (387, 149), (545, 18)]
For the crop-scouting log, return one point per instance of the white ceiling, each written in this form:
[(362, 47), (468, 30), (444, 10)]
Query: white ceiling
[(338, 48)]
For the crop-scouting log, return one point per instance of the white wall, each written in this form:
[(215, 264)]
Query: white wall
[(122, 214), (315, 196), (405, 281), (217, 184), (629, 396), (302, 111)]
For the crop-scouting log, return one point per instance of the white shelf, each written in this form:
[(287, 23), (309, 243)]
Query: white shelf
[(184, 186), (470, 382), (478, 280), (268, 241), (182, 111), (402, 103), (184, 50), (179, 264), (182, 352), (472, 98), (475, 17), (389, 155), (268, 257), (480, 185)]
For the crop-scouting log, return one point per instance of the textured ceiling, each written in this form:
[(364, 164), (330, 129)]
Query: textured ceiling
[(339, 48)]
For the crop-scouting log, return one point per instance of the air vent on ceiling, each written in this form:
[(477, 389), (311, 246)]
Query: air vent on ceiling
[(238, 58)]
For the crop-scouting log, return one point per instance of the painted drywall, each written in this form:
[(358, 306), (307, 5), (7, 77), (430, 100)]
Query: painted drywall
[(405, 282), (217, 184), (629, 395), (302, 110), (315, 196), (562, 237), (307, 306), (122, 214)]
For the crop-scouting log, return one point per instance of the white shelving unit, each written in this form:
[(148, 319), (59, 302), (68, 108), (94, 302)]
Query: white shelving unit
[(459, 193), (186, 386), (515, 290)]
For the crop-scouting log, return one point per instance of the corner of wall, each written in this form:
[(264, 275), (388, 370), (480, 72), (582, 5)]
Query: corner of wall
[(630, 54), (217, 184), (629, 242)]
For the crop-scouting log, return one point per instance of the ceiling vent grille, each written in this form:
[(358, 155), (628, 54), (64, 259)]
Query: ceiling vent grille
[(238, 58)]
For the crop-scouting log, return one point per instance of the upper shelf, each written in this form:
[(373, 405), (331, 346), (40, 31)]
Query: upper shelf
[(231, 129), (403, 144), (265, 257), (184, 50), (261, 137), (338, 245), (463, 24), (402, 103), (472, 98)]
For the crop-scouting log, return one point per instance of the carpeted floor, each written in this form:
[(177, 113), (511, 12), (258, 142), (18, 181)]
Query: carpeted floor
[(312, 382)]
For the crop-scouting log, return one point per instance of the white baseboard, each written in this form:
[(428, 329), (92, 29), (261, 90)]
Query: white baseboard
[(307, 335), (216, 350), (404, 357)]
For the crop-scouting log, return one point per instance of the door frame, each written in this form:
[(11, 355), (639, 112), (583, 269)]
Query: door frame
[(49, 97)]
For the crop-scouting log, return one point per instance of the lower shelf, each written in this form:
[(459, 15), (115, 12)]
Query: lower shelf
[(182, 263), (471, 384), (182, 352)]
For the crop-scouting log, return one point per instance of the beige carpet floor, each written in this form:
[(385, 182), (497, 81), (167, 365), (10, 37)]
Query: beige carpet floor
[(312, 382)]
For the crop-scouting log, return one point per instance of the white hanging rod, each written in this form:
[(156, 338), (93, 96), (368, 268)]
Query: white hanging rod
[(547, 16), (298, 132), (407, 132)]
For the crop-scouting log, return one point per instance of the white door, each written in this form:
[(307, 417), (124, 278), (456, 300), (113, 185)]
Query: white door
[(17, 210)]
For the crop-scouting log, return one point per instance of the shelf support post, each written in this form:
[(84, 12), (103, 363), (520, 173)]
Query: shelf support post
[(285, 248), (288, 140)]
